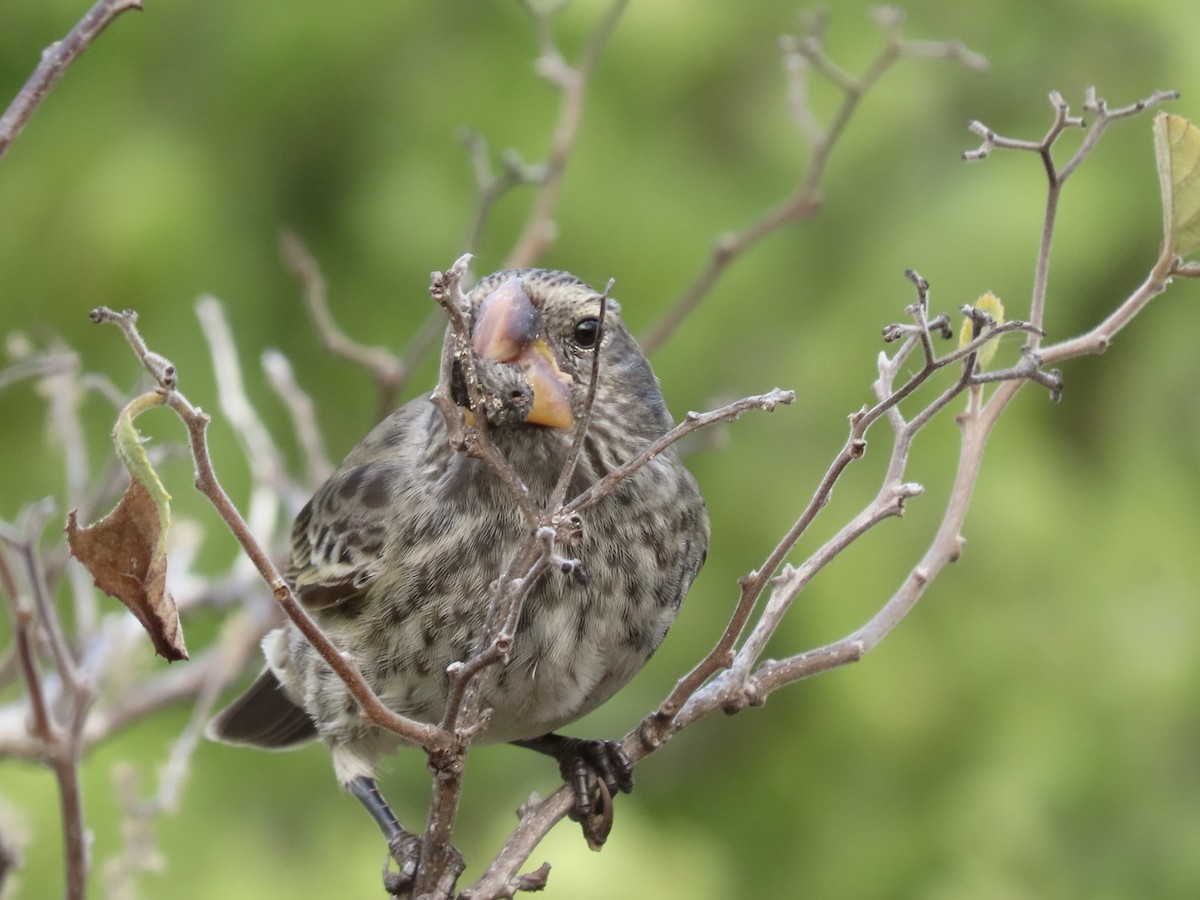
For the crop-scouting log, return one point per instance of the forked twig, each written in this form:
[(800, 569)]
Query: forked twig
[(1057, 176), (538, 232), (730, 677), (801, 54), (389, 371)]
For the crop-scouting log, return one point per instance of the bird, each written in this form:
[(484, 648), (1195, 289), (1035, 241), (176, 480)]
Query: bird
[(394, 554)]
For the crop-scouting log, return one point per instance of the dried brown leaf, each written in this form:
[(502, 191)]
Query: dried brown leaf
[(126, 550)]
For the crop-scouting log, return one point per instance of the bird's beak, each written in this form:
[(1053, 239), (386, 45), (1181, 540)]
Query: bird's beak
[(506, 331)]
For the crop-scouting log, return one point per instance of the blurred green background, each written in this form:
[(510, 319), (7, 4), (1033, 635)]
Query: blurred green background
[(1033, 728)]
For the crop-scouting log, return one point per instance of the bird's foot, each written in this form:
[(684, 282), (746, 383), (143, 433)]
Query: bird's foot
[(404, 850), (590, 765), (596, 771), (405, 853)]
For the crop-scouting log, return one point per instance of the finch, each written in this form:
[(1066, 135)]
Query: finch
[(394, 555)]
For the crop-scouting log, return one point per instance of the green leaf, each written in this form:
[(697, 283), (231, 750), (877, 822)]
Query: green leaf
[(1177, 152), (131, 450), (991, 305)]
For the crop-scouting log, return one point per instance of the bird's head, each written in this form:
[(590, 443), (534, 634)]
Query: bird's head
[(535, 333)]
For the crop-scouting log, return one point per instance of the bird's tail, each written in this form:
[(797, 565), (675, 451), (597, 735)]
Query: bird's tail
[(263, 716)]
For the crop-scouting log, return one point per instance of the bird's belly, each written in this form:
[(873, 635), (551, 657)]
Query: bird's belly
[(561, 670), (571, 653)]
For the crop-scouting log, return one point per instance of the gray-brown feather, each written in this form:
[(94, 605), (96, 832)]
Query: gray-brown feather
[(394, 554)]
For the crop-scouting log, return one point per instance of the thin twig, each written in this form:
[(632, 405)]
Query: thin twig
[(703, 690), (66, 392), (219, 663), (55, 60), (538, 232), (691, 422), (40, 366), (438, 859), (738, 687), (139, 853), (389, 372), (1056, 177), (40, 725), (196, 421), (303, 413), (533, 558), (269, 479), (60, 741), (800, 54), (491, 185), (559, 495), (475, 440)]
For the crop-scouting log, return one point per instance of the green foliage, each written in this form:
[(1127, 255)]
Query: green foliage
[(1177, 146), (1029, 731)]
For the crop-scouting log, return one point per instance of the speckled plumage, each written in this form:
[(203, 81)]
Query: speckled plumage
[(394, 554)]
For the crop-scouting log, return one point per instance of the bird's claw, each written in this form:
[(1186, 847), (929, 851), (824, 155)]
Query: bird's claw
[(404, 850), (598, 822), (596, 771), (584, 763)]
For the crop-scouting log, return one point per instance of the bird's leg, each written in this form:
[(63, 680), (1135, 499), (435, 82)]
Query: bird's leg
[(364, 788), (405, 847), (581, 760)]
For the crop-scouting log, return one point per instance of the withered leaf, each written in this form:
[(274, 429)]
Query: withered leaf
[(120, 552), (126, 550)]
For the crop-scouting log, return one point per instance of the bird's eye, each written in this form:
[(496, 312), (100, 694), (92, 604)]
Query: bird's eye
[(587, 331)]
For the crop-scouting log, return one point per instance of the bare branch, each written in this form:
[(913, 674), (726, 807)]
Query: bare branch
[(704, 689), (269, 475), (494, 643), (538, 232), (691, 422), (299, 405), (738, 687), (140, 853), (55, 60), (446, 289), (529, 563), (59, 371), (66, 392), (535, 819), (490, 186), (559, 494), (217, 665), (440, 863), (57, 733), (390, 372), (39, 724), (39, 366), (373, 709), (953, 51), (1056, 176), (800, 54)]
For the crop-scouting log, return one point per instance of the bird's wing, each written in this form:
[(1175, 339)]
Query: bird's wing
[(339, 538), (333, 558)]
